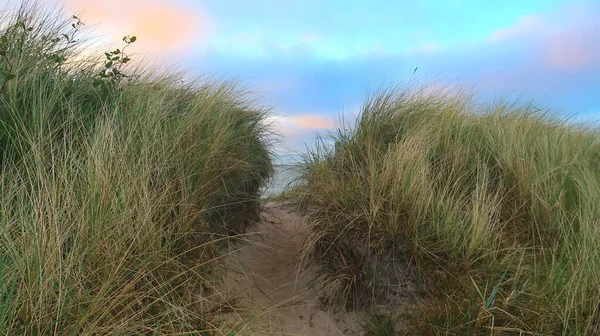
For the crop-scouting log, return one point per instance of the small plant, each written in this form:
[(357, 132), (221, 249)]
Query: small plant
[(59, 56), (6, 71), (108, 77), (112, 72)]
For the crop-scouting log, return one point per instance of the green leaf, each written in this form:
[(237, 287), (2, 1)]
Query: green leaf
[(490, 300), (132, 39), (4, 39), (108, 64), (125, 60), (7, 76), (118, 51), (116, 58)]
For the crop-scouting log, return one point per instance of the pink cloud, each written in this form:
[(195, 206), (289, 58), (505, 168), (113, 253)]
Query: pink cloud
[(311, 121), (299, 125), (571, 42), (158, 24), (573, 48)]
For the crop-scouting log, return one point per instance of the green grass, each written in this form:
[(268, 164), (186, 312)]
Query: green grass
[(288, 195), (496, 204), (378, 325), (115, 208)]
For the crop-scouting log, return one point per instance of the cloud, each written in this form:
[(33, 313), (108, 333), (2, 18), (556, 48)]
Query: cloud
[(518, 63), (257, 44), (249, 38), (273, 86), (160, 25), (427, 48), (572, 42), (311, 121), (526, 25), (574, 48), (298, 125)]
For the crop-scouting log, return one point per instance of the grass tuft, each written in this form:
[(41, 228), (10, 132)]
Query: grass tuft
[(117, 202), (494, 205)]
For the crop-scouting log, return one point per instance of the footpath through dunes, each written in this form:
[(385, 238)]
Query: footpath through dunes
[(269, 293)]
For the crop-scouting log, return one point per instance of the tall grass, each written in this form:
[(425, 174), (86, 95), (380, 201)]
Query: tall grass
[(496, 204), (113, 205)]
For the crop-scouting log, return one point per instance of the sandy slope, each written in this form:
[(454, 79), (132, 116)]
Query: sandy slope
[(272, 286)]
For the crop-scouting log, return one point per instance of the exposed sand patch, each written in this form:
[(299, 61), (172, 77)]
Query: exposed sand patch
[(269, 283)]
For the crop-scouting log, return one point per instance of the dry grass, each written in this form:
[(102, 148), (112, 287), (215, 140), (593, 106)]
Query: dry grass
[(495, 205), (115, 209)]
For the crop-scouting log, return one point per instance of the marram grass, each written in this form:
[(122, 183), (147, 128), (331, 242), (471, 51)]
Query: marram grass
[(114, 206), (496, 204)]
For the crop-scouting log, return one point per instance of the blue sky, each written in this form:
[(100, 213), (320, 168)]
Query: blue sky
[(315, 59), (320, 57)]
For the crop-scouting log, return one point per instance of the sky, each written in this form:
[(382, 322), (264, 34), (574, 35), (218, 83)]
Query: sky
[(314, 61)]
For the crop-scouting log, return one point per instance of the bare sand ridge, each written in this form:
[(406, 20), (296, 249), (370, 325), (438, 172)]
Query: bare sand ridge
[(270, 292)]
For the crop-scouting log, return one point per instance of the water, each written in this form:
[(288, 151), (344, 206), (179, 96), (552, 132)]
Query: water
[(285, 177)]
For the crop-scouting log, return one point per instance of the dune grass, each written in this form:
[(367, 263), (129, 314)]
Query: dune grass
[(496, 205), (116, 204)]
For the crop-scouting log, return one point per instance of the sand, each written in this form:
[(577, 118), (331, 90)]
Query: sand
[(270, 293)]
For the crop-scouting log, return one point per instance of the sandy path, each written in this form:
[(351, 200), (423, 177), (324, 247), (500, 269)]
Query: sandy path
[(271, 294)]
